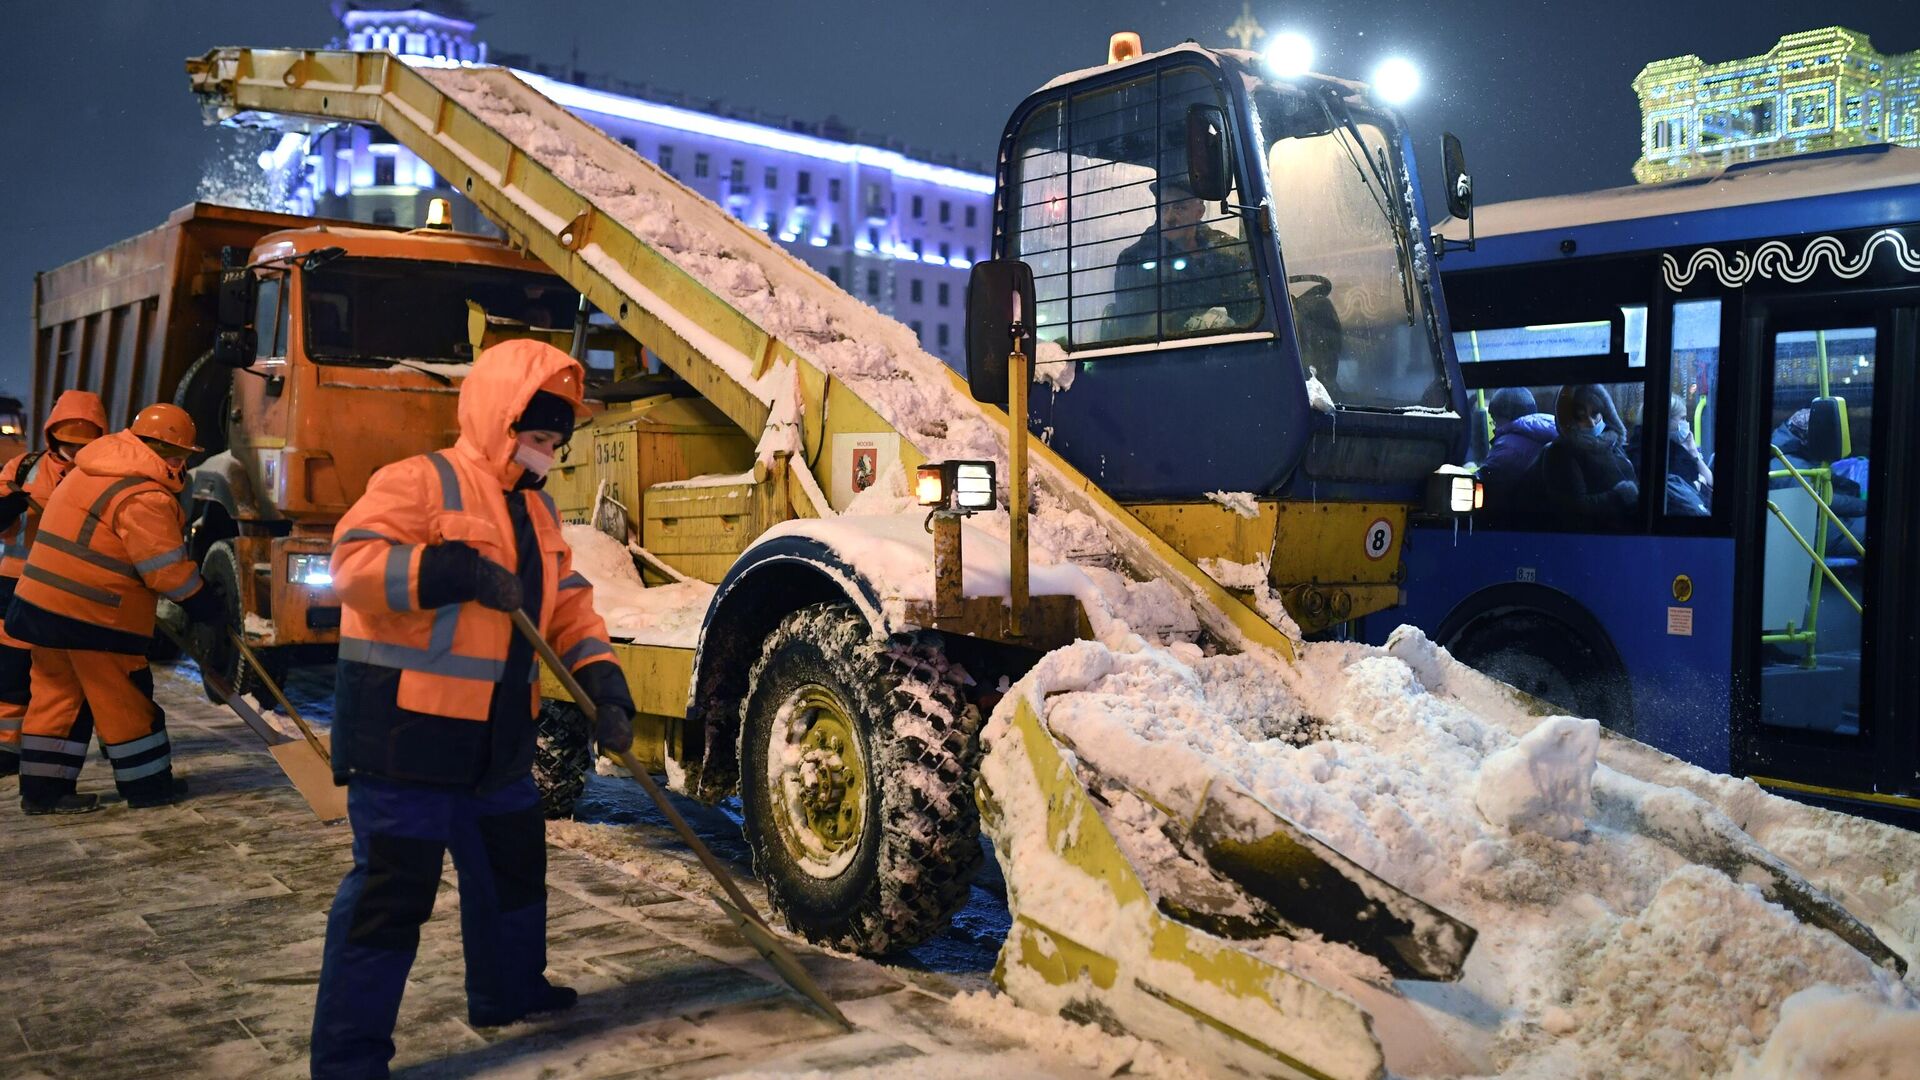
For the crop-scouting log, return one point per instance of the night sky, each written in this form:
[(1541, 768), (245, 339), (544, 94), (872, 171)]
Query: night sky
[(105, 139)]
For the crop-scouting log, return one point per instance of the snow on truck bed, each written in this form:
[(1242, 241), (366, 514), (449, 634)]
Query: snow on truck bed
[(1602, 952)]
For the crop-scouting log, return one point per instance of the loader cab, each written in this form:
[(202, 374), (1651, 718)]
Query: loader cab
[(1273, 329)]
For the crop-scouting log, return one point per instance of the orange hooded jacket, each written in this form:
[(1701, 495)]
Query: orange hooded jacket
[(37, 474), (111, 540), (448, 659)]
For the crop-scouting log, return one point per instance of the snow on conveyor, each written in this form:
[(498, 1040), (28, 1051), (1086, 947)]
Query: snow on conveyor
[(1602, 952)]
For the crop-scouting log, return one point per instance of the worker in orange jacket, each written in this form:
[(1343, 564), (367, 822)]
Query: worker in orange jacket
[(26, 483), (435, 703), (110, 542)]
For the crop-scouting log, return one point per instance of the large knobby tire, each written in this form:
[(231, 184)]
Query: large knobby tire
[(205, 391), (562, 757), (856, 782), (221, 569)]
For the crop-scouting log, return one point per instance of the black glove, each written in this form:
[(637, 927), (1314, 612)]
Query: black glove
[(454, 573), (606, 687), (613, 727), (206, 606), (11, 507)]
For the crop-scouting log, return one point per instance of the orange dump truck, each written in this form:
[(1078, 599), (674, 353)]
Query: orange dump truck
[(309, 352)]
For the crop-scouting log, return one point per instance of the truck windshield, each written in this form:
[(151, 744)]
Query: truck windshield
[(388, 310), (1341, 209)]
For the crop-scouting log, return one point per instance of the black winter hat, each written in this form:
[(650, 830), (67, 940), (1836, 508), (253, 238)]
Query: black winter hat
[(547, 412)]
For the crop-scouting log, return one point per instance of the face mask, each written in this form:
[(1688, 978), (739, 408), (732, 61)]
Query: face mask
[(532, 460), (1599, 425)]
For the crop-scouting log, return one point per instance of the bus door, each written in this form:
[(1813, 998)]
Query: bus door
[(1828, 568)]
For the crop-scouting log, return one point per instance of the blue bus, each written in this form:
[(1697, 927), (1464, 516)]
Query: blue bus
[(1695, 408)]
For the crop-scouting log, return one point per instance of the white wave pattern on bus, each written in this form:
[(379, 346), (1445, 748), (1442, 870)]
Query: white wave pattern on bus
[(1776, 260)]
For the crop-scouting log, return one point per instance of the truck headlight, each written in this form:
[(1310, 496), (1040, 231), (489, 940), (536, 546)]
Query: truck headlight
[(313, 571), (966, 486)]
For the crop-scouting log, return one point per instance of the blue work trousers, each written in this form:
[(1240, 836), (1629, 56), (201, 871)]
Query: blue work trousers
[(400, 835)]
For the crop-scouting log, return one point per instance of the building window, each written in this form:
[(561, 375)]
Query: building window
[(833, 234), (383, 170), (666, 157), (737, 174), (919, 208), (946, 212), (833, 274), (773, 178), (944, 293), (833, 190), (946, 252), (700, 165), (876, 206), (914, 292), (973, 216), (873, 238), (873, 283), (385, 216), (917, 252), (918, 332), (627, 141), (803, 183), (970, 253), (944, 334)]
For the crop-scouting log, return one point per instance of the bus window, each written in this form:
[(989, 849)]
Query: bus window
[(1564, 456), (1559, 340), (1694, 383), (1816, 542)]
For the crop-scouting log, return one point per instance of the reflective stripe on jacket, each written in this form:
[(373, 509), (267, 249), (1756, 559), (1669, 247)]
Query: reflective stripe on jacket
[(450, 657), (110, 542)]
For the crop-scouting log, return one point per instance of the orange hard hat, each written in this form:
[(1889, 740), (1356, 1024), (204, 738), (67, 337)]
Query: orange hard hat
[(74, 429), (166, 423), (569, 383)]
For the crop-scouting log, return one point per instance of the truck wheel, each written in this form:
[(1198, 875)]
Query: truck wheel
[(204, 391), (857, 763), (562, 757), (221, 569)]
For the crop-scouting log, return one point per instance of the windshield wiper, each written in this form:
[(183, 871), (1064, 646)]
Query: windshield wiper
[(1377, 188)]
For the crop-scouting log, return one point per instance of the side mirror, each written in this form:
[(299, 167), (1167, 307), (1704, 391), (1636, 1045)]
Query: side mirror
[(1459, 182), (1828, 439), (1209, 173), (999, 301), (237, 290), (235, 348)]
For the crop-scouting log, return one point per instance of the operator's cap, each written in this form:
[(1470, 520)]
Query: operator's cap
[(168, 424), (1173, 187)]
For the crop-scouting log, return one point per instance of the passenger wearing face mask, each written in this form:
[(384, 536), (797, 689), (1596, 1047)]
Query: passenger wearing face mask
[(435, 705), (109, 544), (27, 481), (1586, 474)]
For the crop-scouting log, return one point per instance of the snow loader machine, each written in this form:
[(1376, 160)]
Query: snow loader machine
[(1214, 305)]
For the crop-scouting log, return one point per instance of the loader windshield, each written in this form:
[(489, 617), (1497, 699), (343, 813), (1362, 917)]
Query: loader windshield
[(1357, 281), (383, 311)]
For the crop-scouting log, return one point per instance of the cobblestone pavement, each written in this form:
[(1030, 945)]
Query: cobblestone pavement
[(186, 941)]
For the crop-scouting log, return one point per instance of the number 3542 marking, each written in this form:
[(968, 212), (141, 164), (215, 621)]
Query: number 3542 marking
[(1379, 539)]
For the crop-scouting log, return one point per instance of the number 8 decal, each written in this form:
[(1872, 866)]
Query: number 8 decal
[(1379, 539)]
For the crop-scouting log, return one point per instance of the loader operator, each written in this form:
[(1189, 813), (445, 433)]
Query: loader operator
[(109, 544), (435, 704), (1196, 278), (26, 483)]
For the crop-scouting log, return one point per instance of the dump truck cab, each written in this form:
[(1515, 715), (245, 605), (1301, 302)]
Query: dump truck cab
[(341, 349), (1235, 293)]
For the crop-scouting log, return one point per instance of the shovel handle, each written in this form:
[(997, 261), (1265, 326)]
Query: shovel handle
[(279, 695), (758, 934)]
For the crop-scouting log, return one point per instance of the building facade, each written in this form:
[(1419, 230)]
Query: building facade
[(1820, 90), (896, 229)]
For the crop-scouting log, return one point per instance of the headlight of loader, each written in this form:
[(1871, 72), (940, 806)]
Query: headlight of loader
[(1453, 492), (313, 571), (966, 486)]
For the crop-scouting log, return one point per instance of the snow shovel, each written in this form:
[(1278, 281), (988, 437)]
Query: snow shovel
[(304, 762), (735, 905)]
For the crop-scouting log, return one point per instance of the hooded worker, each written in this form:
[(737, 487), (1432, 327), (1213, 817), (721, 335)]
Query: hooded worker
[(435, 706), (109, 544), (26, 483)]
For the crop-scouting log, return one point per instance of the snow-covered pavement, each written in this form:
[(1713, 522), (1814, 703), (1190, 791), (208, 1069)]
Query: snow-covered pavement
[(186, 941)]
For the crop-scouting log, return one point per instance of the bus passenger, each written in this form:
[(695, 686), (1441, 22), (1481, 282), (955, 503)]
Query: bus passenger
[(1521, 431), (1689, 479), (1588, 476)]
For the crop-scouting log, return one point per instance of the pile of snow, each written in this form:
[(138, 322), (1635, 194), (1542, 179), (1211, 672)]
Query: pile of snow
[(660, 615), (1603, 951)]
